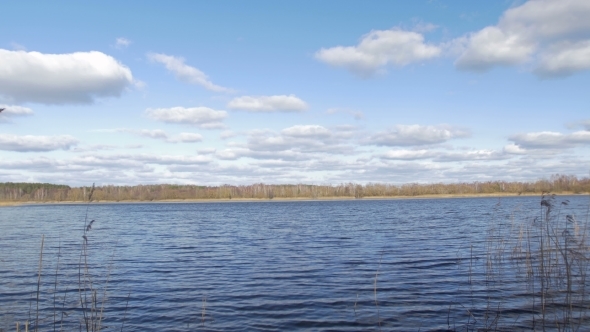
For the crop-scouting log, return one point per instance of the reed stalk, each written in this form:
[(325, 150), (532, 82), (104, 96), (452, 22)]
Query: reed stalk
[(39, 282)]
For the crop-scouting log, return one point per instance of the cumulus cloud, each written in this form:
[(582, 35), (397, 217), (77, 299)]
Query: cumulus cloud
[(278, 167), (378, 49), (470, 155), (186, 73), (549, 140), (73, 78), (564, 59), (279, 103), (14, 110), (157, 134), (150, 133), (553, 35), (443, 156), (408, 154), (514, 149), (232, 153), (299, 142), (30, 143), (94, 148), (206, 151), (186, 138), (309, 131), (491, 46), (202, 117), (414, 135), (131, 163), (172, 159)]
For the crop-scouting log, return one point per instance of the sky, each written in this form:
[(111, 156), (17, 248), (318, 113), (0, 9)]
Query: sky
[(279, 92)]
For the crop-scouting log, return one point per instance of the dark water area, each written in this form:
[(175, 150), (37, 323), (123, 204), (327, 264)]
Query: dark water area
[(362, 265)]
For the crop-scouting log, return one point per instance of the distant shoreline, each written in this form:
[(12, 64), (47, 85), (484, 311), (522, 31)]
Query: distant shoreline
[(284, 199)]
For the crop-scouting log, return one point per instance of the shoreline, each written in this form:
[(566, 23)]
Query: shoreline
[(284, 199)]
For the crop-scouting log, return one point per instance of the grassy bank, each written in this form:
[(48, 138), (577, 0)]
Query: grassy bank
[(9, 203), (287, 199)]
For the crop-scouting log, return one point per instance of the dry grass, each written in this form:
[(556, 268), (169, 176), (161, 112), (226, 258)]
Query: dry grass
[(548, 256), (92, 298)]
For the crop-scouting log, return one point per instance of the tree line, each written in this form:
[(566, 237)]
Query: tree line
[(45, 192)]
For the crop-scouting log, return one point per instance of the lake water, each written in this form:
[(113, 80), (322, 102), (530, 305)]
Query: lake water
[(369, 265)]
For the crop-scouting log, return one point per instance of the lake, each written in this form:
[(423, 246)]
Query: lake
[(370, 265)]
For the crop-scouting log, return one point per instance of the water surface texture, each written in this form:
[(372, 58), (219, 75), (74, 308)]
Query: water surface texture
[(401, 265)]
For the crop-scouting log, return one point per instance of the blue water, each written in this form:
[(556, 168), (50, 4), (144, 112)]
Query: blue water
[(370, 265)]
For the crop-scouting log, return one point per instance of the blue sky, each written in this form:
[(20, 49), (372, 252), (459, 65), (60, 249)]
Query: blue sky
[(294, 91)]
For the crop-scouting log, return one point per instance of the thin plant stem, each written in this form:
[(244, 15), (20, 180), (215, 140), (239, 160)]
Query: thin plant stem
[(55, 284), (125, 314), (39, 282)]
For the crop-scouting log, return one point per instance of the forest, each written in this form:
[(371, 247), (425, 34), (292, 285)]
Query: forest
[(45, 192)]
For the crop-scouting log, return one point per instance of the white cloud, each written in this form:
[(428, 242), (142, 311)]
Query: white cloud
[(514, 149), (94, 148), (287, 166), (443, 156), (309, 131), (72, 78), (413, 135), (122, 42), (491, 46), (30, 143), (408, 154), (470, 155), (150, 133), (157, 134), (564, 59), (553, 35), (172, 159), (14, 110), (231, 154), (300, 142), (295, 143), (206, 151), (279, 103), (549, 140), (186, 73), (378, 49), (186, 138), (202, 117)]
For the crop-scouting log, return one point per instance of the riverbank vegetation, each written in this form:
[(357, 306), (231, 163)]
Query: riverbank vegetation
[(544, 258), (44, 192)]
